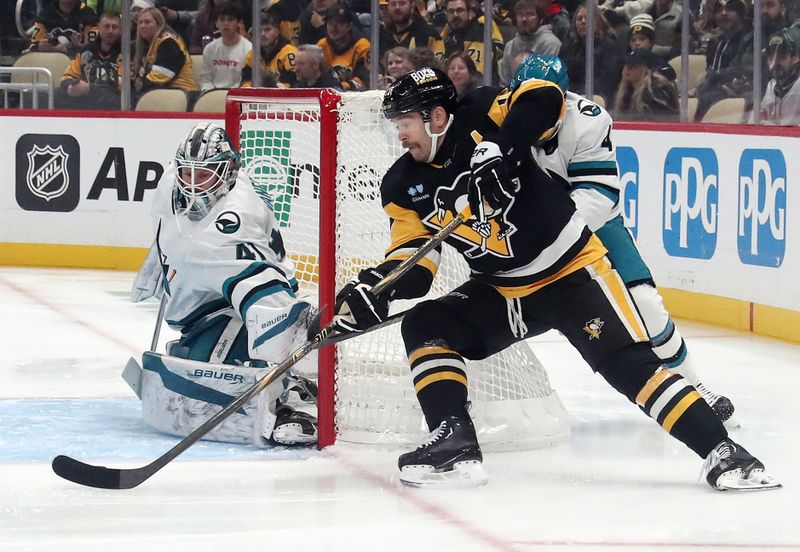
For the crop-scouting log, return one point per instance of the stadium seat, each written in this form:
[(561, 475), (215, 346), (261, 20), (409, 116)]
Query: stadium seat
[(163, 99), (56, 62), (212, 101), (729, 110), (697, 70), (197, 63), (692, 109)]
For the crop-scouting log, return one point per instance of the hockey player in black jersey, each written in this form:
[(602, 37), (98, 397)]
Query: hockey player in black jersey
[(534, 266)]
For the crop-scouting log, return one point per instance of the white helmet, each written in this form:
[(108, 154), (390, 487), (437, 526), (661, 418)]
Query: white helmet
[(206, 166)]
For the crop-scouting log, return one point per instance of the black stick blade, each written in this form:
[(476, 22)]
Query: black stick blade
[(91, 476)]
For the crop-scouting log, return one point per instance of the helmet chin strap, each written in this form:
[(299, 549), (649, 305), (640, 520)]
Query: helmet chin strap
[(435, 137)]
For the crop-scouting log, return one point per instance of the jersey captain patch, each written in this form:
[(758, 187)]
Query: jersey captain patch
[(492, 237)]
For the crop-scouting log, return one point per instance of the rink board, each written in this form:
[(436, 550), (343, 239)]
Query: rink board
[(711, 206)]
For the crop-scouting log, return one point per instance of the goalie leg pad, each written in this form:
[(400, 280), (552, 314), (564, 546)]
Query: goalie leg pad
[(178, 395)]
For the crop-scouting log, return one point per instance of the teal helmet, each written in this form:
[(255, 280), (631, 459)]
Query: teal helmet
[(547, 68)]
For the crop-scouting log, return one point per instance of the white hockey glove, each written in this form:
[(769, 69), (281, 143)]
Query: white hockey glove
[(357, 308), (147, 283), (490, 188)]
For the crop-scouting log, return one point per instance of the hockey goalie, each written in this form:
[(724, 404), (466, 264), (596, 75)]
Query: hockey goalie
[(230, 289)]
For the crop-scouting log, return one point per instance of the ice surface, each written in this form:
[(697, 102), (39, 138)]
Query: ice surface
[(620, 483)]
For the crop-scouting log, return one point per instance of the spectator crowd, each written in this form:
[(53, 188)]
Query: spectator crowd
[(326, 43)]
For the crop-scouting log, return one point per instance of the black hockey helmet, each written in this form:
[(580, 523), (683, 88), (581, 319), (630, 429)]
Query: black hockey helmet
[(419, 92)]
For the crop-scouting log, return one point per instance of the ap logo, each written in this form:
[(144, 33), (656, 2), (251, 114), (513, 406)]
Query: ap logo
[(691, 201), (761, 230), (628, 163)]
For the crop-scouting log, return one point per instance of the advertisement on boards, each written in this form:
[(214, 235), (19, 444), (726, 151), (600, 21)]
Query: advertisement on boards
[(83, 181), (712, 213)]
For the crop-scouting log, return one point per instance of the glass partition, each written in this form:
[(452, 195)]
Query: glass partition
[(722, 61)]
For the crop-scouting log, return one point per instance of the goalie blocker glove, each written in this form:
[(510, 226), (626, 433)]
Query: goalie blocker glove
[(489, 182), (357, 308)]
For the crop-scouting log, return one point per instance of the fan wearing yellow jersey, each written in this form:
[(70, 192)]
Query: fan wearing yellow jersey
[(277, 57), (346, 51)]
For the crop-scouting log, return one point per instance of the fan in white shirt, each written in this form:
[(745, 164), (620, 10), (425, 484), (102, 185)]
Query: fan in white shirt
[(223, 58)]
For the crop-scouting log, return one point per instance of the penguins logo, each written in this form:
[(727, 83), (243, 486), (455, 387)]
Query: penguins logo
[(593, 327), (490, 238), (228, 222)]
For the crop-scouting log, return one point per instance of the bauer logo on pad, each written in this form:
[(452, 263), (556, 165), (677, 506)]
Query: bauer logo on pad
[(48, 172), (761, 226), (691, 202)]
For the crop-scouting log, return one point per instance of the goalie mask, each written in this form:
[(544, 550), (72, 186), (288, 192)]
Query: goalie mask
[(206, 166)]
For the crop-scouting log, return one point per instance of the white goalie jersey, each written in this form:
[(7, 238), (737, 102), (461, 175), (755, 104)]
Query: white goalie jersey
[(231, 258), (583, 158)]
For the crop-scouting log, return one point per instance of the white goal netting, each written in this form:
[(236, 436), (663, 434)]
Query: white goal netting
[(289, 152)]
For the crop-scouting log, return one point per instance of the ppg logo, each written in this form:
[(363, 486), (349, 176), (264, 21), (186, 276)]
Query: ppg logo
[(691, 202), (761, 231), (628, 163)]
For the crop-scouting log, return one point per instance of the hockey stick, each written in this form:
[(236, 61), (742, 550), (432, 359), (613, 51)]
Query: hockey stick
[(127, 478), (157, 330)]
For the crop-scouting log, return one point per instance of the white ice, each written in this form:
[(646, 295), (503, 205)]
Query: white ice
[(619, 483)]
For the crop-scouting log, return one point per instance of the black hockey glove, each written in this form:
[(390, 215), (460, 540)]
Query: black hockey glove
[(357, 308), (489, 183)]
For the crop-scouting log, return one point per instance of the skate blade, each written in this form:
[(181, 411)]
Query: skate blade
[(756, 481), (464, 475)]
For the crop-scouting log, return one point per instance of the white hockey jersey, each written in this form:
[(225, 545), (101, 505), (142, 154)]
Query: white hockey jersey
[(583, 158), (234, 257)]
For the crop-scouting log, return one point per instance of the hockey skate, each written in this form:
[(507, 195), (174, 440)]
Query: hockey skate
[(449, 458), (293, 427), (299, 389), (729, 467)]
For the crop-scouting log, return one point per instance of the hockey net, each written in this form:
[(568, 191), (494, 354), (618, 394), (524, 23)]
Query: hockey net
[(321, 156)]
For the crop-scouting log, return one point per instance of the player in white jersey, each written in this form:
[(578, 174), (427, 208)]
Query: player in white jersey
[(231, 292), (582, 156)]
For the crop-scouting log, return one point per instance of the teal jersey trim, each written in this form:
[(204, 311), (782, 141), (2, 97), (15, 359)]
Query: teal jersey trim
[(587, 168), (607, 191), (229, 284), (264, 290)]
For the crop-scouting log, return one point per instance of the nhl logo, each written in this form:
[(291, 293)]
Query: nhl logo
[(47, 176), (47, 172)]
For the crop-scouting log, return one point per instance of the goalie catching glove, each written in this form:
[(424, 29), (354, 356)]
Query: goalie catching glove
[(357, 308), (489, 183)]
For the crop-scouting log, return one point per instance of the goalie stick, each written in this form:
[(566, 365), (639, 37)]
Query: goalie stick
[(127, 478)]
